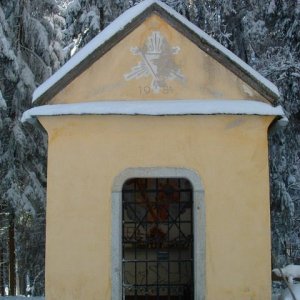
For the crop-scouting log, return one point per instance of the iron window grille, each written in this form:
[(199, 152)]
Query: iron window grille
[(157, 239)]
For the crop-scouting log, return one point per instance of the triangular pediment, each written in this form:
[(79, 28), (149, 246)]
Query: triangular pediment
[(153, 53)]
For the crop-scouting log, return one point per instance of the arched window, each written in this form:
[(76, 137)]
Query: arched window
[(158, 235)]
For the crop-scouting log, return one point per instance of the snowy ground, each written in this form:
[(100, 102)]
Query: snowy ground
[(286, 295)]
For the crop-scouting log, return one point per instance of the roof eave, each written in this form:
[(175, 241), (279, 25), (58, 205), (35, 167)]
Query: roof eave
[(158, 108)]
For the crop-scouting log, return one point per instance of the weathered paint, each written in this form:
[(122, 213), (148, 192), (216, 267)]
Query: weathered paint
[(86, 153), (205, 78)]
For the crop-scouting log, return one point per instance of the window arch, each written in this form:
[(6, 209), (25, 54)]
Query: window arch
[(198, 220)]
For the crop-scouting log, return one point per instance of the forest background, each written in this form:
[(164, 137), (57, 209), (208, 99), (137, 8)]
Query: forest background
[(38, 36)]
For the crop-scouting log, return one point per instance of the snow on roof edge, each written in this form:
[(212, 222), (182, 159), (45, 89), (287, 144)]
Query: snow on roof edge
[(119, 23), (267, 83), (156, 108)]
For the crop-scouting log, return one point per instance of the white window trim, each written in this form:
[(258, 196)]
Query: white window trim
[(199, 224)]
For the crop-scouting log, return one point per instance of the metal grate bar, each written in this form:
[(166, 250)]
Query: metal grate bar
[(157, 241)]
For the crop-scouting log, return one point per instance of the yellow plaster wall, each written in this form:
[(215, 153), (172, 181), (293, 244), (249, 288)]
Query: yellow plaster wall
[(204, 78), (230, 155)]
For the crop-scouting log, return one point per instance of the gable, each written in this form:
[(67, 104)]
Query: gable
[(158, 59)]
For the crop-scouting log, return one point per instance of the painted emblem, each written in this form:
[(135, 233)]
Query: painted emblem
[(157, 61)]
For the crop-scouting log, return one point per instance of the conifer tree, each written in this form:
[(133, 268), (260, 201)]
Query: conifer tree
[(31, 50)]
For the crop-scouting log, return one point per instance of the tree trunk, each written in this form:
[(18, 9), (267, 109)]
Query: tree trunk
[(2, 283), (12, 257)]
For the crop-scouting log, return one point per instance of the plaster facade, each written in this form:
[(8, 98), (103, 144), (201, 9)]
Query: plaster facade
[(86, 153)]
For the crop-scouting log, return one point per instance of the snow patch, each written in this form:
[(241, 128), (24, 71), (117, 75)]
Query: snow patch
[(289, 271), (120, 23), (272, 7), (157, 108), (2, 101), (286, 294)]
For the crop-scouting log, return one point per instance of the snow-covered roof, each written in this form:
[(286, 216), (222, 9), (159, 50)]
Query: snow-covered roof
[(127, 22), (157, 108)]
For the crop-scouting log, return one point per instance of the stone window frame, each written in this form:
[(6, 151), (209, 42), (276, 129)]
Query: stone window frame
[(198, 223)]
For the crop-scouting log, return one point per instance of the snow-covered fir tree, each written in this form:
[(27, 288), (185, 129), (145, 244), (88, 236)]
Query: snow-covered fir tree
[(86, 18), (30, 50)]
